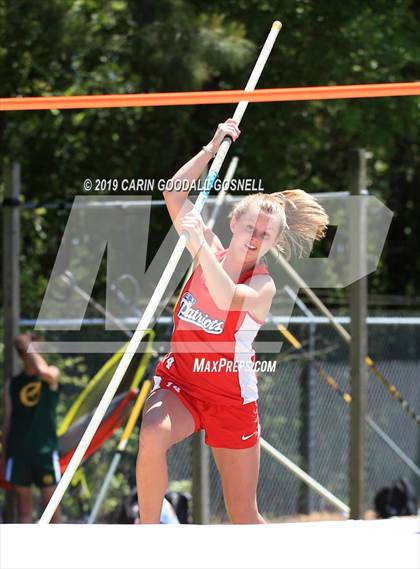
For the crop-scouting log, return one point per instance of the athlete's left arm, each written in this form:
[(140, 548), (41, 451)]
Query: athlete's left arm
[(259, 305), (254, 296)]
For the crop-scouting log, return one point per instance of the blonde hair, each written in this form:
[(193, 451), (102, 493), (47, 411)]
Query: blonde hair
[(303, 220)]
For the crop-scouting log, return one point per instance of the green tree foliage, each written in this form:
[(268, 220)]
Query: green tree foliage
[(66, 47)]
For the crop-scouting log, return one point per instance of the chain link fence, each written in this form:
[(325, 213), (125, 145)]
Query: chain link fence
[(302, 416), (315, 434)]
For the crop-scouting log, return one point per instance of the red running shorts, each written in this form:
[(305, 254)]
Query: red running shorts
[(231, 427)]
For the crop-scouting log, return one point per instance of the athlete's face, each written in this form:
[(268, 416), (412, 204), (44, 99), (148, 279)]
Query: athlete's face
[(254, 233)]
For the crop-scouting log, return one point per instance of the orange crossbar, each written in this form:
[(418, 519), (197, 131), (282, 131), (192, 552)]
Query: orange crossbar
[(211, 97)]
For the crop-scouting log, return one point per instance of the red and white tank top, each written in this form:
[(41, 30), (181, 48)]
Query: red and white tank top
[(212, 353)]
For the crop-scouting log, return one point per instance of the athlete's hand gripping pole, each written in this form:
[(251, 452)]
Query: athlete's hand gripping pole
[(159, 292)]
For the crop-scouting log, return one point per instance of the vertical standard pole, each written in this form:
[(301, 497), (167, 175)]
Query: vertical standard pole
[(308, 417), (358, 332), (11, 287), (201, 480), (11, 277), (200, 459)]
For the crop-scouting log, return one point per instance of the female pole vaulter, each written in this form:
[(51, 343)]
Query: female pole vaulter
[(219, 312)]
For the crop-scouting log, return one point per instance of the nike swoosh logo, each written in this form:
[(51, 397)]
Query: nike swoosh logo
[(245, 438)]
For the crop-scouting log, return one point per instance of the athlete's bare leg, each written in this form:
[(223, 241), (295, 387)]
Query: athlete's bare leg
[(166, 421), (24, 504), (46, 494), (239, 470)]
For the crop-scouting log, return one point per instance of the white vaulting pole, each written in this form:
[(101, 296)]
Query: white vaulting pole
[(159, 292), (223, 192)]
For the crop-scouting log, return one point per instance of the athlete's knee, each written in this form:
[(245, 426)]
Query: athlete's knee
[(154, 439)]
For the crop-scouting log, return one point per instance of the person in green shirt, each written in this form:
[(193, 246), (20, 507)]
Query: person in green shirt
[(29, 430)]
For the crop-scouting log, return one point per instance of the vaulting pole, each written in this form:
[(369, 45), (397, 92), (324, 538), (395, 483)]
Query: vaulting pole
[(159, 292)]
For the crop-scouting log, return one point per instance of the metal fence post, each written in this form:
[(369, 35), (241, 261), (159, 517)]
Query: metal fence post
[(11, 287), (200, 463), (201, 480), (11, 276), (358, 331), (306, 497)]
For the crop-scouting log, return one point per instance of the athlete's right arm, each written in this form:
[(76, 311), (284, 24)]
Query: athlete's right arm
[(177, 202)]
